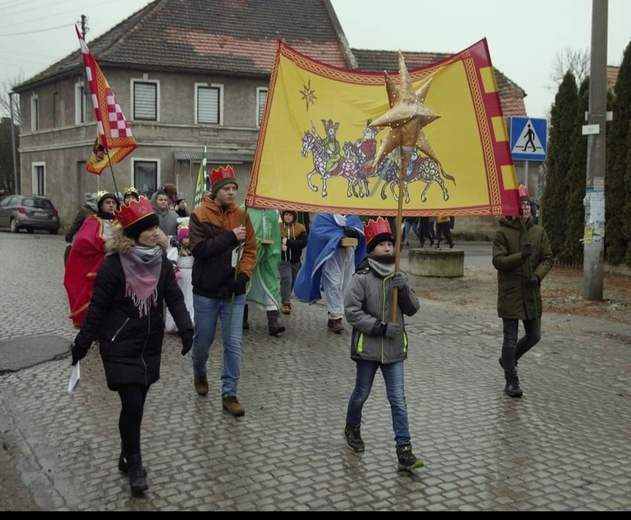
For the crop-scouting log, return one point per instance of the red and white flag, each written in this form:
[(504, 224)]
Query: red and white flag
[(114, 140)]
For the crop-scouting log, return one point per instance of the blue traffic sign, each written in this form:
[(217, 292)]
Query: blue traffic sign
[(528, 138)]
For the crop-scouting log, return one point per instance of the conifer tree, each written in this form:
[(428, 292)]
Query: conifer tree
[(572, 250), (618, 176), (558, 163)]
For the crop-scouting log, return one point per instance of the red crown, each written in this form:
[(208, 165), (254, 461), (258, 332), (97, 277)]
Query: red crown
[(523, 192), (136, 210), (221, 173), (376, 227)]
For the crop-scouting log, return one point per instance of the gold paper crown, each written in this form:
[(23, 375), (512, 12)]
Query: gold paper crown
[(376, 227), (104, 193), (131, 189), (135, 211)]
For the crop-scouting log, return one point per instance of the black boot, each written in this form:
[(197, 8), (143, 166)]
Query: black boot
[(512, 386), (273, 325), (137, 474)]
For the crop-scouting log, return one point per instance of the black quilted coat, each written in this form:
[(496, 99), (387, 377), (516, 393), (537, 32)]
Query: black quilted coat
[(130, 344)]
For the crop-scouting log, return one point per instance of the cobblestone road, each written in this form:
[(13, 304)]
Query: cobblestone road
[(565, 446)]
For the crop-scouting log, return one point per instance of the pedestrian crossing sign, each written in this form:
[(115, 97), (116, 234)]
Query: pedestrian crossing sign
[(528, 138)]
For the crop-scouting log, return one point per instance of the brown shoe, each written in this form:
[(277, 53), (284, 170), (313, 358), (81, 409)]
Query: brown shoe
[(336, 325), (286, 308), (201, 384), (232, 405)]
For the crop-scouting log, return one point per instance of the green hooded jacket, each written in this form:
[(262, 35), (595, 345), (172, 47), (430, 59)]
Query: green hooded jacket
[(515, 300)]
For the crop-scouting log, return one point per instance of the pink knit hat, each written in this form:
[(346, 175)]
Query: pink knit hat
[(182, 233)]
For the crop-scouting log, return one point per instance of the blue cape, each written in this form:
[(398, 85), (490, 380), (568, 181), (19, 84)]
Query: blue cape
[(322, 241)]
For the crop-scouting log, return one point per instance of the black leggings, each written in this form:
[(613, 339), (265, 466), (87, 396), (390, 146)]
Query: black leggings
[(132, 406)]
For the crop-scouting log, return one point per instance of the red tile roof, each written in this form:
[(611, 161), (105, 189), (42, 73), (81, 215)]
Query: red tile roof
[(511, 94), (240, 38), (612, 75)]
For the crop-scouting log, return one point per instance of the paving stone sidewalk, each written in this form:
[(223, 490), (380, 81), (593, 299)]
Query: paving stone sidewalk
[(564, 446)]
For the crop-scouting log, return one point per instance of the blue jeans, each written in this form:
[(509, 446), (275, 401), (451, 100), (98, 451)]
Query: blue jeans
[(395, 390), (207, 312)]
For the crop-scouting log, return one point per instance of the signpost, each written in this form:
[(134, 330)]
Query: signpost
[(528, 140)]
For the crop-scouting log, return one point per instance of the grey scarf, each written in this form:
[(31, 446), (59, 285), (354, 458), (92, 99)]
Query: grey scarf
[(383, 265), (142, 271)]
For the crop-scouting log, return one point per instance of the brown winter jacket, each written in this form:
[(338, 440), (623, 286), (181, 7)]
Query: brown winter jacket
[(514, 299)]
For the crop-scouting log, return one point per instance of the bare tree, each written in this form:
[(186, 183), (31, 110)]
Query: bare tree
[(5, 98), (569, 60)]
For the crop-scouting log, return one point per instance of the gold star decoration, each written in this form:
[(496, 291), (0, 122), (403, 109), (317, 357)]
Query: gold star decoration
[(308, 95), (405, 119)]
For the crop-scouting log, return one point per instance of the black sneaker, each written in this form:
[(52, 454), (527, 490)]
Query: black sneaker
[(407, 460), (353, 438)]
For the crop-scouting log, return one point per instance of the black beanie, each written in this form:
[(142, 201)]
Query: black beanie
[(382, 237), (146, 222)]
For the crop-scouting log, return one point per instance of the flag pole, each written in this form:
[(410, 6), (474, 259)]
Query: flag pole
[(236, 271), (405, 154), (109, 163)]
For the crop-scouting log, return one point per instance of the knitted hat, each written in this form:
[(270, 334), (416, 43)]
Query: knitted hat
[(180, 197), (222, 176), (182, 233), (137, 217), (377, 231), (102, 195)]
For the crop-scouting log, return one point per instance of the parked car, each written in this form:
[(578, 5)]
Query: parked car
[(28, 212)]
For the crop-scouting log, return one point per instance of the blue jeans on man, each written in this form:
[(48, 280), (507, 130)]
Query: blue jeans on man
[(207, 312), (393, 376)]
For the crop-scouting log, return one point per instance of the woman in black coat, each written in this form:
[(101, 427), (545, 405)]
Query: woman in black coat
[(126, 314)]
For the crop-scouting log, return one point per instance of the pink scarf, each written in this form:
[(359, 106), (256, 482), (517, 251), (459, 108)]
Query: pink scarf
[(142, 271)]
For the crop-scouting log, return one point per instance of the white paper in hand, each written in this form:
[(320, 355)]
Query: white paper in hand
[(75, 377)]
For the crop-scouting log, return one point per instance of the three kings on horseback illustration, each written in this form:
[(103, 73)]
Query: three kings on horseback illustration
[(354, 162)]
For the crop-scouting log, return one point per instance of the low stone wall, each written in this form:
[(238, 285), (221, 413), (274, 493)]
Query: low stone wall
[(445, 263)]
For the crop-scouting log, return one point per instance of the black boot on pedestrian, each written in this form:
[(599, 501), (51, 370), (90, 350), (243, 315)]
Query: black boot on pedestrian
[(407, 460), (137, 475), (353, 438), (512, 386), (273, 325)]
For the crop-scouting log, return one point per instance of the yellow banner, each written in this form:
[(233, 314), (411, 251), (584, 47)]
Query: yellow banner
[(315, 148)]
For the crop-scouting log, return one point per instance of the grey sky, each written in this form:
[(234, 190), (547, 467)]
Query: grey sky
[(523, 36)]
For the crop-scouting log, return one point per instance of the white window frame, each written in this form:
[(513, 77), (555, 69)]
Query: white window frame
[(134, 181), (34, 113), (134, 82), (34, 183), (217, 86), (260, 110), (80, 104)]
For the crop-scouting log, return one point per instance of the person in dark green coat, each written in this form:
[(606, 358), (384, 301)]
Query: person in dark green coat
[(522, 257)]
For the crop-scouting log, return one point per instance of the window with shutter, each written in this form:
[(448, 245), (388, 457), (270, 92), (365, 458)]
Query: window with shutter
[(145, 101), (208, 105), (261, 98)]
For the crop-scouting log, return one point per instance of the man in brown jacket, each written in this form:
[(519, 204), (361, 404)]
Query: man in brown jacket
[(522, 257), (224, 250)]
